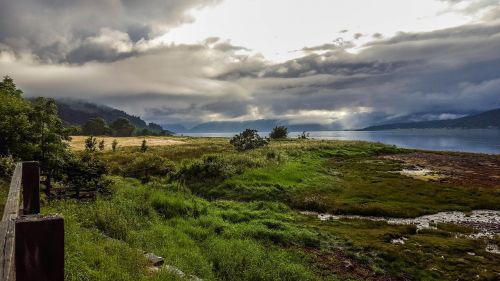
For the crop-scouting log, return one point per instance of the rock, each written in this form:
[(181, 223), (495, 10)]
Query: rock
[(154, 259), (348, 265)]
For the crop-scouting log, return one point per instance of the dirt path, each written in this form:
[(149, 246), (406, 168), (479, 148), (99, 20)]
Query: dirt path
[(466, 169)]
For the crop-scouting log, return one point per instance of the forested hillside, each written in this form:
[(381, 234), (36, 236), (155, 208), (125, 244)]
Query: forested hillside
[(79, 112)]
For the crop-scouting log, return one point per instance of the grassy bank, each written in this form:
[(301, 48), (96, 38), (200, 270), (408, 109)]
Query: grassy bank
[(220, 214)]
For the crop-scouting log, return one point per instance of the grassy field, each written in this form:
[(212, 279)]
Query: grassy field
[(220, 214), (78, 142)]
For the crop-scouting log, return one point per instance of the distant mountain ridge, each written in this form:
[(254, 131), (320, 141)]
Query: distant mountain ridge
[(485, 120), (77, 112), (262, 125)]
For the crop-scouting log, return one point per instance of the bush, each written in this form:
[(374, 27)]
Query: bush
[(86, 173), (216, 168), (304, 135), (148, 165), (279, 132), (248, 139), (7, 166), (212, 167)]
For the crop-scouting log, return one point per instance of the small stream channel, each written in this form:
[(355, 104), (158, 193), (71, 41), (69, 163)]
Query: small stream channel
[(486, 223)]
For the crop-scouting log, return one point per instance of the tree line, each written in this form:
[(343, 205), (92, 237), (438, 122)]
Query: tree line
[(121, 127)]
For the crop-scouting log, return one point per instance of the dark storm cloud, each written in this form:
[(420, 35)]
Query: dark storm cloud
[(101, 51), (59, 30), (411, 76)]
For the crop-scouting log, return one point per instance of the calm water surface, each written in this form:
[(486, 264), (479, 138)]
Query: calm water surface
[(479, 141)]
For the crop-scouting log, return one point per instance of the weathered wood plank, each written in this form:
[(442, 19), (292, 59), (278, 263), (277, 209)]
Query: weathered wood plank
[(11, 209), (31, 188), (40, 248), (7, 226)]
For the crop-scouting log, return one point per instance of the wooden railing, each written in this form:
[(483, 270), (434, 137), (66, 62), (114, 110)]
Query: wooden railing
[(31, 245)]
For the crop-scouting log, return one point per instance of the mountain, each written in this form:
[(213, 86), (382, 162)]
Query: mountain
[(486, 120), (262, 125), (77, 112)]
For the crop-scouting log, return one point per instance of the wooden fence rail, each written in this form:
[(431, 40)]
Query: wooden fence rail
[(31, 245)]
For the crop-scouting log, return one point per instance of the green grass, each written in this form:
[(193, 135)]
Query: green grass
[(215, 241), (428, 255), (220, 214)]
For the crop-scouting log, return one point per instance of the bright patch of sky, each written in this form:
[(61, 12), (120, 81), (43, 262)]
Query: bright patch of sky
[(278, 28)]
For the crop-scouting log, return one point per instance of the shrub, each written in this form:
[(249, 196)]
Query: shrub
[(86, 173), (101, 145), (148, 165), (279, 132), (90, 144), (248, 139), (212, 167), (114, 144), (7, 165), (304, 135), (144, 146), (216, 168)]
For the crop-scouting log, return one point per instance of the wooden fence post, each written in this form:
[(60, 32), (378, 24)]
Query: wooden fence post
[(31, 188), (39, 248)]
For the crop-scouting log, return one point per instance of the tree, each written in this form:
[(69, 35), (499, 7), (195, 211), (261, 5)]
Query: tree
[(15, 125), (248, 139), (122, 127), (145, 132), (96, 127), (49, 139), (90, 144), (34, 131), (114, 144), (279, 132), (144, 146), (101, 145)]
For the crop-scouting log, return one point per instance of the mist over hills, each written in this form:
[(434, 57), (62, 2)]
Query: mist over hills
[(485, 120), (78, 112), (262, 125)]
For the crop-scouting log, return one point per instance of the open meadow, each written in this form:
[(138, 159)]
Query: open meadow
[(218, 214)]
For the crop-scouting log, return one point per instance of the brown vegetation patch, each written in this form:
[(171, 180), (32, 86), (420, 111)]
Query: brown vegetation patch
[(346, 267), (466, 169)]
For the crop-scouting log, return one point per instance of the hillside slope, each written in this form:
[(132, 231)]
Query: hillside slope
[(78, 112), (486, 120)]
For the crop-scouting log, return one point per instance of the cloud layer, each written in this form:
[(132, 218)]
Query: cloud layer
[(110, 51)]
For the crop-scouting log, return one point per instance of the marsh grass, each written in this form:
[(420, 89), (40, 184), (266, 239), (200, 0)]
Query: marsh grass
[(220, 214), (218, 240)]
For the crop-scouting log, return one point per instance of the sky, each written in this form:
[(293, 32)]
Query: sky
[(352, 63)]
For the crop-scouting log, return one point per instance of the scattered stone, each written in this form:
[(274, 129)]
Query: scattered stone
[(399, 240), (421, 174), (154, 259), (178, 272), (348, 265), (492, 248), (486, 223)]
